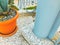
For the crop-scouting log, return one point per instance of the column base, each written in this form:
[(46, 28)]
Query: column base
[(32, 39)]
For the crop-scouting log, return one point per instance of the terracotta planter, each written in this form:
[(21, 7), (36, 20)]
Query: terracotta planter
[(7, 27)]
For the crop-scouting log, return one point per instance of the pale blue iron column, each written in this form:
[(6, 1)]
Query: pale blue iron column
[(55, 27), (46, 13)]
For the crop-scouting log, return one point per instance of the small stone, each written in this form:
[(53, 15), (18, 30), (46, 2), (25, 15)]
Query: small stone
[(13, 13), (0, 19), (11, 16), (5, 18), (8, 17)]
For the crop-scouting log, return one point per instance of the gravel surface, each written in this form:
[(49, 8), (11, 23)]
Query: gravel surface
[(8, 16), (24, 35)]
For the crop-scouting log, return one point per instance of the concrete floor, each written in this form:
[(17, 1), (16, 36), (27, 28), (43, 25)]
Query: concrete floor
[(21, 38)]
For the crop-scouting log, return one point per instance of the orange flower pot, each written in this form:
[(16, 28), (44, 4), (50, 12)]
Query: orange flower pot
[(8, 26)]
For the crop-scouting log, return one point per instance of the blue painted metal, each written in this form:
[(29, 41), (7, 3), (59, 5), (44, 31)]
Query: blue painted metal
[(47, 19), (55, 27), (46, 14)]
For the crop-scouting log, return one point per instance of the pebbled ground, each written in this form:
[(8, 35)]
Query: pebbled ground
[(24, 35)]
